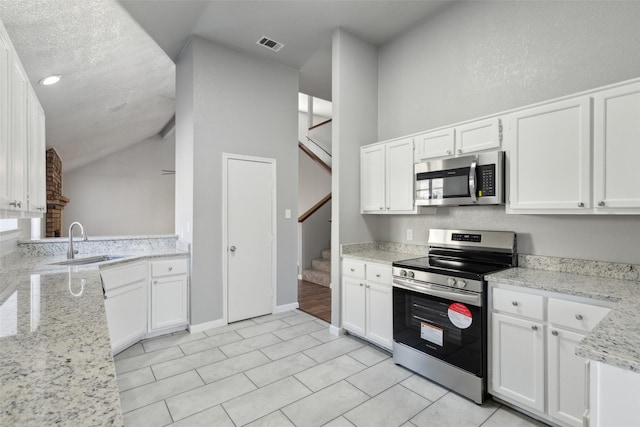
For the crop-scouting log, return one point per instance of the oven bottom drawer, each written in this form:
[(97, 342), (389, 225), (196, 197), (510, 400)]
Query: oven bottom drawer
[(461, 382)]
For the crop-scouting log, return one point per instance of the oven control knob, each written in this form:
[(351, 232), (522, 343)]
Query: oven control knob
[(461, 283), (451, 281), (403, 272), (412, 274)]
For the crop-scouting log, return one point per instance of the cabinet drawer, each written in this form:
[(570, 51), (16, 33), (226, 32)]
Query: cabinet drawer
[(519, 303), (575, 315), (379, 273), (353, 269), (168, 267)]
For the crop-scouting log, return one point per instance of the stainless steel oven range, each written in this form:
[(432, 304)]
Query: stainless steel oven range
[(440, 307)]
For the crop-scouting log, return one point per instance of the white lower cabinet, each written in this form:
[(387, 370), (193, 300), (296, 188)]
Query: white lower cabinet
[(169, 293), (126, 289), (613, 396), (367, 301), (518, 360), (139, 308), (533, 364)]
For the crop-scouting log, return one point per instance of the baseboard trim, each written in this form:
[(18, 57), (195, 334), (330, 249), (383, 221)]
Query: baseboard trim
[(286, 307), (193, 329), (336, 331)]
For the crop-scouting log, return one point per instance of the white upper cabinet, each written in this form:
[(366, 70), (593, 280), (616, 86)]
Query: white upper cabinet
[(5, 99), (399, 175), (550, 156), (387, 178), (372, 178), (480, 135), (439, 143), (22, 139), (37, 155), (616, 140)]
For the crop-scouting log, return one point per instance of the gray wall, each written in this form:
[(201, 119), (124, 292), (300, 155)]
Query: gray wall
[(241, 105), (124, 193), (354, 92), (478, 58)]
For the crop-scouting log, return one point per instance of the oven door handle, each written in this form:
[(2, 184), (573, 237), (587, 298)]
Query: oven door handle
[(441, 292)]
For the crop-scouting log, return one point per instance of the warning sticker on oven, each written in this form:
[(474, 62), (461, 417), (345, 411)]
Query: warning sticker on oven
[(460, 315), (431, 333)]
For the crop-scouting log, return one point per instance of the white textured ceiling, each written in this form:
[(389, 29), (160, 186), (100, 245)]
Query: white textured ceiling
[(117, 88), (303, 26), (118, 78)]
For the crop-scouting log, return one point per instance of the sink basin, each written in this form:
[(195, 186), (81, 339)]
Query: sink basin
[(88, 260)]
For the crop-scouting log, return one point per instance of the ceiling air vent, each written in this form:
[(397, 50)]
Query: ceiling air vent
[(270, 44)]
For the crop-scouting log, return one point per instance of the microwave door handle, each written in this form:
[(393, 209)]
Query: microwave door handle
[(472, 181)]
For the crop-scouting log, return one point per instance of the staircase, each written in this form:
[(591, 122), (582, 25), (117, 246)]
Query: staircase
[(320, 271)]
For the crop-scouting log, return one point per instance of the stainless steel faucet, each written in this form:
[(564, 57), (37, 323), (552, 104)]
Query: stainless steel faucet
[(71, 252)]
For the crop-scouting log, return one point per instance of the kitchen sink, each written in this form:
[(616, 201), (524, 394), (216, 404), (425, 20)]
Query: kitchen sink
[(88, 260)]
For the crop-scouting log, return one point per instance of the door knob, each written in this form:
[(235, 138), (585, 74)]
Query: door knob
[(232, 248)]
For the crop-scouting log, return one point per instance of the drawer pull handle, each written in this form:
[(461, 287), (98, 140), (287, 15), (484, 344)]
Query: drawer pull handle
[(514, 303), (534, 328), (377, 275), (361, 284), (170, 268), (579, 316), (155, 282), (368, 286), (352, 269), (554, 333)]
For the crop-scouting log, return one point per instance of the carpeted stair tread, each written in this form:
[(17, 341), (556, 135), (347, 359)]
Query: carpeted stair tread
[(321, 264), (316, 276)]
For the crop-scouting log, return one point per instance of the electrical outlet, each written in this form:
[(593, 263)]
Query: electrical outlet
[(409, 234)]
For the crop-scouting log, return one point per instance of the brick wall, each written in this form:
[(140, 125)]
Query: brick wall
[(55, 200)]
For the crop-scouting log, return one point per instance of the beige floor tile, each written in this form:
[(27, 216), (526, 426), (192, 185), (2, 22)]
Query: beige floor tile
[(369, 355), (330, 372), (212, 417), (287, 348), (453, 410), (391, 408), (187, 363), (159, 343), (506, 416), (208, 396), (155, 414), (262, 328), (275, 419), (132, 379), (230, 327), (325, 405), (226, 368), (258, 403), (333, 349), (249, 344), (379, 377), (298, 330), (425, 388), (159, 390), (282, 368), (211, 342), (147, 359)]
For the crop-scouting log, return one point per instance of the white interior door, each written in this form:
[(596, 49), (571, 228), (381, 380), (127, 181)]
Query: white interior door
[(250, 232)]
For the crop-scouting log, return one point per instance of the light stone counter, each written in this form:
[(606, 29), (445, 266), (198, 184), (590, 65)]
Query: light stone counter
[(56, 365), (382, 252), (616, 339)]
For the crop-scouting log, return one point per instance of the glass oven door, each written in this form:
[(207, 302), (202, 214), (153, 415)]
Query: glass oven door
[(452, 331)]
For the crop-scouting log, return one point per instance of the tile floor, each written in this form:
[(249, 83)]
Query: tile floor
[(285, 369)]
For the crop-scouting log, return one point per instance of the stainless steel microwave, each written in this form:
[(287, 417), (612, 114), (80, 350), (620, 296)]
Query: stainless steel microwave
[(458, 181)]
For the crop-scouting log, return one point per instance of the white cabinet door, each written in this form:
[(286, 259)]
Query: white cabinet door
[(353, 305), (18, 139), (433, 144), (372, 178), (614, 398), (127, 314), (379, 317), (5, 118), (168, 302), (37, 155), (565, 377), (399, 176), (617, 148), (126, 289), (478, 136), (518, 360), (550, 156)]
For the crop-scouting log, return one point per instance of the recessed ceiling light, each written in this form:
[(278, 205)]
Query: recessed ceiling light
[(50, 80)]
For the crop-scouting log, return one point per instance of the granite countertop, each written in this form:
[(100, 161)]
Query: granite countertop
[(382, 252), (57, 367), (616, 339)]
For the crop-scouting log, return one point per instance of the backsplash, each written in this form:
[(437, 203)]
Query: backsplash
[(97, 245), (580, 266)]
